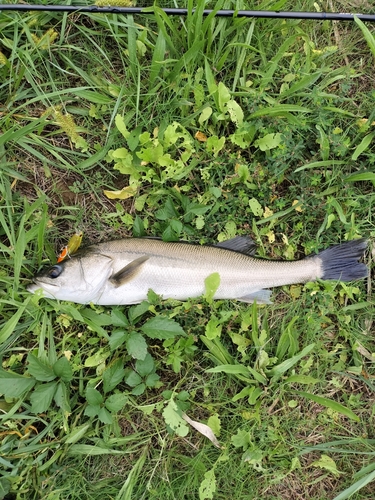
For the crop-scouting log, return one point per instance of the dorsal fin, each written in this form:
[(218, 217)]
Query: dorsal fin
[(242, 244)]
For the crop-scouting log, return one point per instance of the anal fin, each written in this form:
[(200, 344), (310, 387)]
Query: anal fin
[(128, 272), (260, 296)]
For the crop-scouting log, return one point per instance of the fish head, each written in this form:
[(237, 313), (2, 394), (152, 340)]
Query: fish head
[(79, 279)]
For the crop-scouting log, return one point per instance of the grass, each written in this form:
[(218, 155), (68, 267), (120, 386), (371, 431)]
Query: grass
[(199, 129)]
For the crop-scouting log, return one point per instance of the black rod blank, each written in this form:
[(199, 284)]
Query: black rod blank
[(331, 16)]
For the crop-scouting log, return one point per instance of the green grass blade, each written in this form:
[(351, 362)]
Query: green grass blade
[(127, 489), (328, 403), (281, 368), (279, 109), (361, 176), (9, 327), (354, 488), (363, 146), (369, 37)]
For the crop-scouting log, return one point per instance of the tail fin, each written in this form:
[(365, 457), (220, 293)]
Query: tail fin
[(341, 261)]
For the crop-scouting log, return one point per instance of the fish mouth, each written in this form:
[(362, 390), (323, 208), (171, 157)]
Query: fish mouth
[(39, 285)]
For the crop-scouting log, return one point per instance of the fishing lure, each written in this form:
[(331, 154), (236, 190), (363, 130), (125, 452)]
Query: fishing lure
[(73, 245)]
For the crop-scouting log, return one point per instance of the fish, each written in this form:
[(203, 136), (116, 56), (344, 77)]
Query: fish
[(121, 272)]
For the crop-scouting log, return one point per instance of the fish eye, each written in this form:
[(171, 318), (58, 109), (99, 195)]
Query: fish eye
[(55, 271)]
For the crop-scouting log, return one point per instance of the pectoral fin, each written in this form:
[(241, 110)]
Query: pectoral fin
[(128, 272)]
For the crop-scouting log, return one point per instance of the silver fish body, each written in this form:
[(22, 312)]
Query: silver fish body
[(123, 271)]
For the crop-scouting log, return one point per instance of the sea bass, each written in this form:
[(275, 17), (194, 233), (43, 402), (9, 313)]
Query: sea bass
[(123, 271)]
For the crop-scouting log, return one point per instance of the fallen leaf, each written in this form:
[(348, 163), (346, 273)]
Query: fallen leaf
[(297, 204), (203, 429), (122, 194), (200, 136)]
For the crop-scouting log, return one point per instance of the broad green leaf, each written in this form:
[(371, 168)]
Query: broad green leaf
[(13, 385), (41, 397), (136, 345), (137, 311), (118, 318), (93, 396), (256, 207), (97, 359), (161, 327), (113, 375), (214, 144), (205, 115), (4, 483), (213, 328), (39, 369), (145, 366), (104, 416), (116, 402), (173, 418), (223, 96), (139, 389), (116, 339), (63, 369), (241, 439), (152, 379), (207, 487), (61, 397), (328, 403), (235, 112), (269, 141), (133, 379), (211, 284), (72, 311), (92, 410), (121, 153), (215, 424), (327, 463), (120, 124)]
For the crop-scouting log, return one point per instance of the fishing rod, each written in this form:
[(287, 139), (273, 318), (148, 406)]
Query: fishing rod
[(113, 9)]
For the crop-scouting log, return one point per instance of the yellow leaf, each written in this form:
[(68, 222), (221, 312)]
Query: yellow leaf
[(295, 291), (285, 239), (122, 194), (298, 208), (271, 236), (267, 212), (200, 136)]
